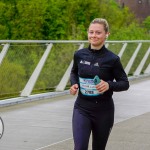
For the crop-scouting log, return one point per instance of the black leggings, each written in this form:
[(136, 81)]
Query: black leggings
[(99, 123)]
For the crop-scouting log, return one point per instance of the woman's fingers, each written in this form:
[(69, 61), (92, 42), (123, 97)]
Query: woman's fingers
[(74, 89), (102, 86)]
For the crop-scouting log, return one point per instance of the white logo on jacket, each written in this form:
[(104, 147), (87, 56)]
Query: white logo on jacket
[(85, 62), (96, 64)]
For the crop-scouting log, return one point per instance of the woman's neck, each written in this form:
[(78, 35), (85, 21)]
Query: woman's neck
[(96, 47)]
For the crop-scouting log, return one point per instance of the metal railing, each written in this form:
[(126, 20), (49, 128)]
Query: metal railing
[(30, 66)]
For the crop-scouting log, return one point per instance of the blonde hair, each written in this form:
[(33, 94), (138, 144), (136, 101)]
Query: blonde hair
[(101, 21)]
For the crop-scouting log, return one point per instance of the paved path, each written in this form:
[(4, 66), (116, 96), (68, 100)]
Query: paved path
[(46, 124)]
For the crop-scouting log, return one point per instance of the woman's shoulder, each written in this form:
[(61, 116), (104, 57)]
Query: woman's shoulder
[(81, 51), (112, 54)]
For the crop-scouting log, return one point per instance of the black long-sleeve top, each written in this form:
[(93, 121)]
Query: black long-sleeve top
[(104, 63)]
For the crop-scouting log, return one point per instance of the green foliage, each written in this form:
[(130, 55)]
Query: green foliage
[(133, 32), (12, 76), (146, 24), (63, 20)]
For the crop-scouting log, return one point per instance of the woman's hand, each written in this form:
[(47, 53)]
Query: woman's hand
[(74, 89), (102, 86)]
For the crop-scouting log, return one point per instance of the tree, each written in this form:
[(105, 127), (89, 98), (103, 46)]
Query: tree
[(60, 20), (146, 24), (12, 78)]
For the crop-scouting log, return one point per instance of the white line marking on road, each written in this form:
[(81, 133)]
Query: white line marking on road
[(54, 144)]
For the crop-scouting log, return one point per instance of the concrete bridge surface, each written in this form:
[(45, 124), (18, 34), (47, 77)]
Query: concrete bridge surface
[(46, 124)]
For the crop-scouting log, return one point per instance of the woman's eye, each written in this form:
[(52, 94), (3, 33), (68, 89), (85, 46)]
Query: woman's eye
[(91, 32), (98, 33)]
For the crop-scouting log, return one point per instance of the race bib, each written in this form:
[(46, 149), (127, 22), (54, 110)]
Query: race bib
[(87, 87)]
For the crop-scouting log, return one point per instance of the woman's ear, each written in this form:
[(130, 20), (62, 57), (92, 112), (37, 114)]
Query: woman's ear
[(107, 35)]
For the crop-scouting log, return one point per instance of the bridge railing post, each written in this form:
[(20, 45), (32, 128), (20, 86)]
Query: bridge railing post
[(130, 63), (31, 82), (4, 52), (141, 65), (62, 84)]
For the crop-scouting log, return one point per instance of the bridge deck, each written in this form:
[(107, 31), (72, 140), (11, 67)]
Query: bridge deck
[(46, 124)]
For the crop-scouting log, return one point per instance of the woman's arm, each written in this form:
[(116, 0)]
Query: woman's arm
[(121, 82), (74, 77)]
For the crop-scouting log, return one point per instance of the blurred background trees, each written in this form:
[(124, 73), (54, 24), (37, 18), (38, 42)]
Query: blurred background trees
[(66, 20)]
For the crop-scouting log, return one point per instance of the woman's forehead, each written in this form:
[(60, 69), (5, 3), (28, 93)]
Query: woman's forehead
[(96, 26)]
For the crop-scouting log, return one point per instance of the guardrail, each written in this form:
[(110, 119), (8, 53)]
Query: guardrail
[(22, 63)]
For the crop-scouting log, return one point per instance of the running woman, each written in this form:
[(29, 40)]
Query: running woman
[(94, 107)]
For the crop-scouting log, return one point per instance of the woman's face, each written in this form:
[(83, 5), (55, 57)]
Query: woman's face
[(97, 35)]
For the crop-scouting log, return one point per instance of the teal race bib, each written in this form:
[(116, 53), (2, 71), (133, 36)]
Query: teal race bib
[(87, 87)]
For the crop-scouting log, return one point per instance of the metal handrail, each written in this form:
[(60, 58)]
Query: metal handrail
[(69, 41)]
